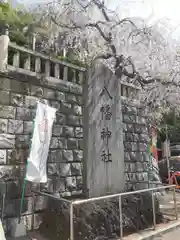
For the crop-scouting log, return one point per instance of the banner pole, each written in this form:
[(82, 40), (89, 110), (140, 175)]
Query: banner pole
[(24, 181), (22, 198)]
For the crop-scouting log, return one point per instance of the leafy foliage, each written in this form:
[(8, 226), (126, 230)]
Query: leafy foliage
[(20, 22), (72, 59), (171, 124)]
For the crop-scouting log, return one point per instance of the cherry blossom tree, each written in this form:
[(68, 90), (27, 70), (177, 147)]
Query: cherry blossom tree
[(134, 51)]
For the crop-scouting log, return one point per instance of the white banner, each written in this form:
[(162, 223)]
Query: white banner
[(155, 170), (36, 167), (2, 235)]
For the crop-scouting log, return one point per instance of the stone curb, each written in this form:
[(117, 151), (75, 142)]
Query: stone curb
[(155, 233), (164, 230)]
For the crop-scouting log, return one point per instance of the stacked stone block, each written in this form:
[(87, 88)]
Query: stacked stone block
[(136, 138), (18, 99)]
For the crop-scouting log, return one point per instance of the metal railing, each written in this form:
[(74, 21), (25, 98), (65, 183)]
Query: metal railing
[(119, 195)]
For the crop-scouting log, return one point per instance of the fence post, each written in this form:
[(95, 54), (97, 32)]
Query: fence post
[(71, 223), (175, 203), (33, 211), (121, 218), (2, 207), (154, 210)]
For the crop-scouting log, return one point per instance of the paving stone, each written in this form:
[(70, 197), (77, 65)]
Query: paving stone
[(57, 142), (59, 169), (7, 112), (81, 121), (130, 110), (66, 108), (3, 125), (49, 93), (60, 85), (17, 99), (129, 137), (7, 141), (12, 207), (80, 144), (124, 125), (79, 182), (71, 98), (15, 126), (3, 156), (13, 189), (55, 156), (124, 137), (143, 147), (9, 172), (22, 141), (77, 110), (60, 119), (128, 146), (17, 156), (60, 96), (73, 120), (78, 155), (57, 130), (139, 167), (68, 131), (74, 88), (129, 118), (76, 169), (28, 127), (31, 101), (49, 185), (79, 132), (79, 100), (27, 219), (126, 167), (20, 87), (5, 84), (56, 105), (138, 128), (66, 194), (134, 156), (60, 185), (24, 114), (4, 97), (37, 91), (72, 143), (67, 155), (71, 183)]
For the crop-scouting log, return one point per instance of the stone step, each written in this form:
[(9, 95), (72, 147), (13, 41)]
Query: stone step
[(35, 235), (19, 238)]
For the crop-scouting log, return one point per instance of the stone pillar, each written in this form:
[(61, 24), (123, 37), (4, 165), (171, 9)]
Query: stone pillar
[(4, 42), (103, 133)]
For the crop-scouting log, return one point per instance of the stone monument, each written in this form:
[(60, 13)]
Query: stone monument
[(103, 133)]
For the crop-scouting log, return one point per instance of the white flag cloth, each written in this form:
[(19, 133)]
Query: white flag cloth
[(37, 160), (2, 235)]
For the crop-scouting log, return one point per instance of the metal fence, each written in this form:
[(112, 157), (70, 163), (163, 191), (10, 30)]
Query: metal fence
[(119, 195)]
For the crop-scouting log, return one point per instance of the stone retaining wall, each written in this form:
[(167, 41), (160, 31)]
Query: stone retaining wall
[(136, 138), (41, 78), (18, 100)]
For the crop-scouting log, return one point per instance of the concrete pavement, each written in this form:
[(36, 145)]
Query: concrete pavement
[(174, 235)]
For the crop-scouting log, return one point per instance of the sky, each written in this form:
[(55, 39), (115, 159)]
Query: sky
[(151, 10), (167, 11)]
